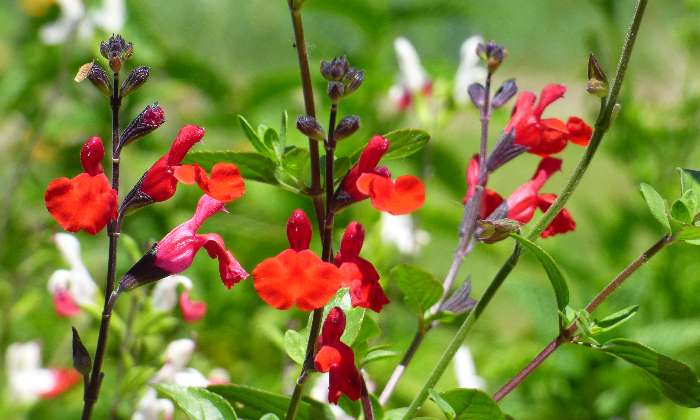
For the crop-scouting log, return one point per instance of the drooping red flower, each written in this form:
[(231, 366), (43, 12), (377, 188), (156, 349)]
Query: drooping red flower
[(175, 252), (523, 202), (64, 304), (86, 202), (62, 379), (297, 276), (545, 136), (337, 358), (359, 274), (365, 180), (159, 183), (192, 310)]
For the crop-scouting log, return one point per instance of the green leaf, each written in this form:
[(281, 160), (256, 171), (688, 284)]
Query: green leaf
[(198, 403), (254, 138), (395, 414), (614, 320), (472, 404), (271, 139), (556, 278), (674, 379), (354, 317), (354, 408), (269, 416), (253, 166), (252, 403), (446, 408), (405, 142), (656, 204), (134, 378), (419, 287), (681, 209), (690, 182), (375, 354), (291, 173), (368, 330), (295, 345)]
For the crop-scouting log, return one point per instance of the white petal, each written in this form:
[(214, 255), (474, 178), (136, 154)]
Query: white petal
[(179, 352), (465, 371), (469, 70), (27, 386), (82, 287), (400, 232), (190, 377), (59, 280), (219, 376), (56, 32), (413, 76), (69, 247), (111, 16), (164, 295), (150, 407), (23, 357)]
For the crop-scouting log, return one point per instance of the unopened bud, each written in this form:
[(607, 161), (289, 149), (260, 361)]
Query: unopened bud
[(507, 90), (597, 79), (492, 53), (346, 127), (299, 230), (491, 231), (91, 155), (148, 120), (310, 128), (335, 69), (116, 50), (134, 80), (477, 94), (353, 80), (81, 357), (336, 90), (96, 75), (353, 238)]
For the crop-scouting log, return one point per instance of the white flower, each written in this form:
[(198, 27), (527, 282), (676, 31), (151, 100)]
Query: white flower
[(164, 295), (27, 380), (401, 232), (72, 286), (412, 74), (75, 18), (469, 70), (177, 355), (179, 352), (465, 371), (151, 407)]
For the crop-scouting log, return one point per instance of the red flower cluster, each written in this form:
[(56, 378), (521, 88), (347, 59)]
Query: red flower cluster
[(358, 273), (86, 202), (545, 136), (523, 202), (365, 179), (176, 251), (297, 276), (337, 358)]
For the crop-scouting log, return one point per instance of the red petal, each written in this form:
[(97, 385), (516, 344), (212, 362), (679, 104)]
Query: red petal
[(353, 238), (549, 94), (579, 132), (230, 270), (63, 380), (225, 183), (296, 278), (185, 174), (403, 196), (372, 153), (299, 230), (64, 304), (489, 202), (333, 326), (522, 113), (191, 310), (326, 357), (91, 155), (562, 223), (185, 139), (553, 137), (159, 182), (82, 203)]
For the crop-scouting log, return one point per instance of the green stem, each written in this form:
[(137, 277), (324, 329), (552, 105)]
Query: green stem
[(601, 127)]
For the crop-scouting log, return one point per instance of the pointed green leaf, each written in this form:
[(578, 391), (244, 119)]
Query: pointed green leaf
[(681, 209), (405, 142), (252, 403), (556, 278), (674, 379), (295, 345), (374, 355), (472, 404), (292, 171), (689, 234), (656, 204), (253, 166), (419, 287), (198, 403), (613, 321), (690, 181), (444, 406), (254, 138)]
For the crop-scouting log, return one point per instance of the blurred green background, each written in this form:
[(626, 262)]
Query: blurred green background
[(212, 60)]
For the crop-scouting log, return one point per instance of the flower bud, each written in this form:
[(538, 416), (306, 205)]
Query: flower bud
[(352, 241), (491, 231), (353, 80), (597, 80), (91, 155), (492, 53), (310, 128), (335, 69), (96, 75), (505, 150), (346, 127), (336, 90), (299, 230), (81, 357), (116, 50), (148, 120), (507, 90), (477, 94), (134, 80)]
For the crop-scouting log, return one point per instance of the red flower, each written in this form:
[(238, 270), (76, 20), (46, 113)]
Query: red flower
[(159, 183), (192, 310), (64, 304), (86, 202), (337, 358), (359, 274), (296, 276), (523, 202), (545, 136), (62, 380), (175, 252), (365, 180)]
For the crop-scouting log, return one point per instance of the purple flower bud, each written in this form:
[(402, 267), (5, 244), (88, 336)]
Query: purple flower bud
[(134, 80), (148, 120), (336, 90), (96, 75), (353, 80), (81, 357), (477, 94), (335, 69), (346, 127), (492, 53), (116, 50), (310, 128), (507, 90)]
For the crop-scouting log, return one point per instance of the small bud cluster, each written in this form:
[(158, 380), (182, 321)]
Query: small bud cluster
[(491, 53), (116, 50), (597, 80), (342, 79), (96, 75)]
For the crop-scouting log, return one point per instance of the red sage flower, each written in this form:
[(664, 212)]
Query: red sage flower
[(86, 202), (297, 276)]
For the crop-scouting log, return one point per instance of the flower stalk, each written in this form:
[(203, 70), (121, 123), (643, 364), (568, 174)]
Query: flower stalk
[(602, 125)]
